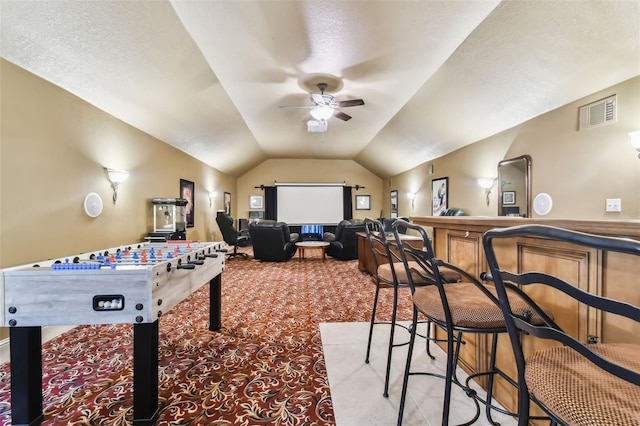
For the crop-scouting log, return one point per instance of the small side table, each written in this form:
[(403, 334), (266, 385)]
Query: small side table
[(312, 245)]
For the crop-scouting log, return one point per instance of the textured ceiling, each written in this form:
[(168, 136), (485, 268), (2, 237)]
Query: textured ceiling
[(209, 77)]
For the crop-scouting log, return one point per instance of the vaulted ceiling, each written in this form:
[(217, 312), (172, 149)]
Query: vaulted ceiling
[(209, 77)]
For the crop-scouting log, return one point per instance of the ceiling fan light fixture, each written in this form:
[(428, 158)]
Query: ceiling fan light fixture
[(322, 112)]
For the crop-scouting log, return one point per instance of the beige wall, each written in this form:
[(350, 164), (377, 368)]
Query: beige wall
[(53, 147), (579, 169), (307, 170)]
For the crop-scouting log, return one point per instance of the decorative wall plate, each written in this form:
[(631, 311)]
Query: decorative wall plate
[(542, 203), (93, 204)]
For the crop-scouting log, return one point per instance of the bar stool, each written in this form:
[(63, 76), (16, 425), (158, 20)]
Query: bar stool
[(457, 308), (390, 274), (574, 380)]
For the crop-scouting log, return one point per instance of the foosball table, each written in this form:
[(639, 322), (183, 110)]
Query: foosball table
[(133, 284)]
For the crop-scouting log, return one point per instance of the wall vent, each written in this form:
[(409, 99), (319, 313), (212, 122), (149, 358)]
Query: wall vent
[(598, 113)]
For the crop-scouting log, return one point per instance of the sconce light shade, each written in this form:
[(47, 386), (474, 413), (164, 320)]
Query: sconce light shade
[(321, 113), (116, 177), (486, 183), (635, 140)]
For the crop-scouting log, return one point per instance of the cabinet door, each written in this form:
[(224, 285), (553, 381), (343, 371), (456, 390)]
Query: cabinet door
[(620, 281), (464, 249)]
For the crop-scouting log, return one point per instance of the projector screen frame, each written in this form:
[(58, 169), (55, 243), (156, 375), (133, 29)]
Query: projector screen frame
[(310, 184), (330, 211)]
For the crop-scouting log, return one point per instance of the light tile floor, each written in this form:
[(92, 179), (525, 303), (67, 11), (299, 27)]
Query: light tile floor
[(356, 387)]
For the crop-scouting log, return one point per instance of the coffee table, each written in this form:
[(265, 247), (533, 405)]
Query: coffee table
[(312, 245)]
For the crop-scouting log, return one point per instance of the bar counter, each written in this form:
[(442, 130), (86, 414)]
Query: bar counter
[(619, 228), (458, 240)]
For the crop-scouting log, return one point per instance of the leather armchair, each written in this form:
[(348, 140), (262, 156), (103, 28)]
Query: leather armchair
[(272, 241), (343, 244)]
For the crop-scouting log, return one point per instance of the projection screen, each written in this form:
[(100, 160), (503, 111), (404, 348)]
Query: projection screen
[(310, 205)]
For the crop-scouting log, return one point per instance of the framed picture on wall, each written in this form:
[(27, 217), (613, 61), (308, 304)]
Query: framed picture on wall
[(439, 195), (187, 191), (227, 203), (255, 202), (363, 202), (509, 197), (394, 203)]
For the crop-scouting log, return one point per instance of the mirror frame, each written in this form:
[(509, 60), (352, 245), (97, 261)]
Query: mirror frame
[(527, 184)]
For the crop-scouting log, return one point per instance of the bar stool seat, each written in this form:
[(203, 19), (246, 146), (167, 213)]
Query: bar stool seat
[(386, 270), (469, 306), (563, 380)]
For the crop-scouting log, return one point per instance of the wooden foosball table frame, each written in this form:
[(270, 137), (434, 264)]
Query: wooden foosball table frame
[(84, 290)]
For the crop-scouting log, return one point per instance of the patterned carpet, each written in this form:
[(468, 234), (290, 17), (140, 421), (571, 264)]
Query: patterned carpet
[(265, 367)]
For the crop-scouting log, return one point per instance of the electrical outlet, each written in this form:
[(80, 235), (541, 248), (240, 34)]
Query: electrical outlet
[(613, 205)]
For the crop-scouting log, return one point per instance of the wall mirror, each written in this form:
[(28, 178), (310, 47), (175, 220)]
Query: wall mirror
[(514, 180)]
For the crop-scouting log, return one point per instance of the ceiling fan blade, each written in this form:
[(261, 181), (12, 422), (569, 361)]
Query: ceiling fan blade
[(298, 106), (350, 103), (342, 116)]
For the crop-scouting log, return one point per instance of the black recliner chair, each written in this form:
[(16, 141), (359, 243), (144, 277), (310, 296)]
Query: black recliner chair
[(231, 235), (272, 241), (343, 244)]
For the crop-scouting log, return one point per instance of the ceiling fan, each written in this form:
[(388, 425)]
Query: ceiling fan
[(324, 106)]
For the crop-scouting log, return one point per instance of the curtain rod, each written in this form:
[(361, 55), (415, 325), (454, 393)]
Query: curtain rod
[(357, 187), (309, 183)]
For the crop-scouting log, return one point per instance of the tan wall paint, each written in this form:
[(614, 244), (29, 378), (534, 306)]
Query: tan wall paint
[(53, 147), (579, 169), (307, 170)]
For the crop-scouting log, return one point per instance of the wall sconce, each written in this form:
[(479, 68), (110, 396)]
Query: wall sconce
[(635, 141), (412, 197), (212, 195), (487, 184), (116, 177)]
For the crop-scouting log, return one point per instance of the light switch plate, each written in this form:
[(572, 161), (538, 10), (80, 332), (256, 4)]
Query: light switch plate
[(613, 205)]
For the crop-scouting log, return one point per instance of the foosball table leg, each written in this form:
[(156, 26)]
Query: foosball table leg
[(145, 373), (215, 303), (26, 375)]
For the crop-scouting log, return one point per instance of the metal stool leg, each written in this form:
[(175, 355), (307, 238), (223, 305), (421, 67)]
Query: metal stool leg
[(391, 337), (373, 321), (430, 332), (407, 368)]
